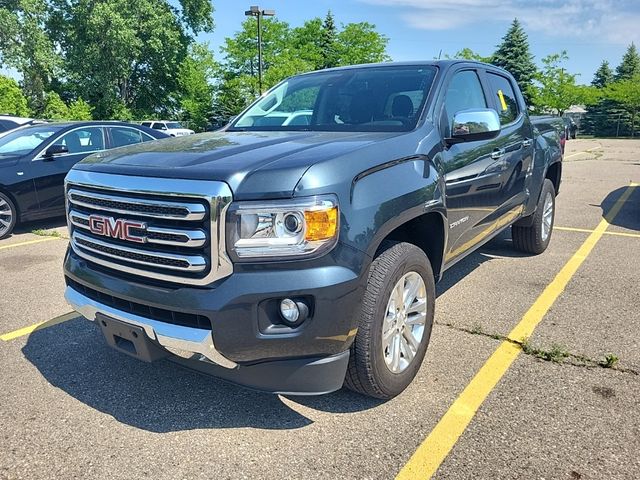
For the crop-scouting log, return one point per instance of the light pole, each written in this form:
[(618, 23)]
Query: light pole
[(255, 11)]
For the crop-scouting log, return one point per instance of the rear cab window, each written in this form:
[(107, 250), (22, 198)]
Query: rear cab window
[(504, 97)]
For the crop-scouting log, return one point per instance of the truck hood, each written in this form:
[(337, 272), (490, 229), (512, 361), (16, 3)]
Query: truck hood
[(255, 165)]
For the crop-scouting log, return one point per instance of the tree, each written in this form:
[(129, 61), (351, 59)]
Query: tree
[(328, 48), (558, 90), (122, 56), (630, 65), (627, 93), (468, 54), (306, 42), (54, 107), (12, 100), (514, 55), (26, 46), (361, 43), (195, 90), (603, 76), (79, 110), (241, 51)]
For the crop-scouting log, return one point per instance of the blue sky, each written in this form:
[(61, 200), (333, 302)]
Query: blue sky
[(590, 30)]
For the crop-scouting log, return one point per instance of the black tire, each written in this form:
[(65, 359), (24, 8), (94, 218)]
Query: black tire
[(530, 239), (10, 216), (368, 373)]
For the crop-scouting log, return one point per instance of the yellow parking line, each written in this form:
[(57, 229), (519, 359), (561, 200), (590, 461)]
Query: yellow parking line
[(586, 230), (32, 328), (29, 242), (435, 448), (584, 151)]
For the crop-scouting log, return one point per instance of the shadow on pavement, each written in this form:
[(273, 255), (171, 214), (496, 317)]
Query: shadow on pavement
[(629, 215), (165, 397), (162, 396), (500, 246)]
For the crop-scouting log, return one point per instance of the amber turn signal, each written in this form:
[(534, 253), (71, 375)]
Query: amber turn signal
[(321, 224)]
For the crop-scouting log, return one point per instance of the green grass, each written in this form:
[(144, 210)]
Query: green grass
[(556, 353), (46, 233), (610, 360)]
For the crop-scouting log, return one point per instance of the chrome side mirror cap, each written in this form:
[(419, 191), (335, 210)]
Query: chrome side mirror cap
[(475, 124)]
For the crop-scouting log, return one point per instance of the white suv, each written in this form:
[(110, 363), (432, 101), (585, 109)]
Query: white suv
[(170, 128), (10, 122)]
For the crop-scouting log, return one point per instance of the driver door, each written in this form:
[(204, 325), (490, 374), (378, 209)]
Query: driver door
[(472, 190)]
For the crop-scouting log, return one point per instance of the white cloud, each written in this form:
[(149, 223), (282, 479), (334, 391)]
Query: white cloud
[(597, 21)]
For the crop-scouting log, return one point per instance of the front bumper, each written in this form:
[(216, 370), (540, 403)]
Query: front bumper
[(242, 345), (172, 337)]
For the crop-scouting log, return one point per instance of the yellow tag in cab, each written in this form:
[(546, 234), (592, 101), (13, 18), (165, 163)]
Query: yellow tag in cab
[(502, 102)]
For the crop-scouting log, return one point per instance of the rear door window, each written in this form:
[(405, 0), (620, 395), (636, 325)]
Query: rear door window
[(122, 136), (504, 97)]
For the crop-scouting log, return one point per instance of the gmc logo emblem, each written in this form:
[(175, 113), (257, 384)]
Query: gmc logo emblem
[(116, 228)]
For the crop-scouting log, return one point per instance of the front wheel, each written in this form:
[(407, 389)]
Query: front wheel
[(7, 216), (535, 238), (395, 325)]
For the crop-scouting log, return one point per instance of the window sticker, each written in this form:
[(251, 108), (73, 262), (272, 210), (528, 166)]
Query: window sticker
[(502, 102)]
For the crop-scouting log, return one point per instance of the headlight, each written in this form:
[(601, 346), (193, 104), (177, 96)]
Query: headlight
[(288, 228)]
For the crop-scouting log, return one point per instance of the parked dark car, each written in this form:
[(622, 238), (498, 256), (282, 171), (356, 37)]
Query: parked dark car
[(35, 159)]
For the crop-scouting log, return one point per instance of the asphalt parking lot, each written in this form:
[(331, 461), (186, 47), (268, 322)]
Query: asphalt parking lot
[(558, 402)]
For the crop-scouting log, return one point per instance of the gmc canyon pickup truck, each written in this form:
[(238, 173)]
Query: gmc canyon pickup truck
[(297, 250)]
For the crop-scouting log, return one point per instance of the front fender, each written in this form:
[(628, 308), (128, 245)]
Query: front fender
[(390, 195)]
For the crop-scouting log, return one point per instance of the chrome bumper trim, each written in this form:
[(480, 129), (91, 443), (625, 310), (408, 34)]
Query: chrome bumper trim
[(175, 337)]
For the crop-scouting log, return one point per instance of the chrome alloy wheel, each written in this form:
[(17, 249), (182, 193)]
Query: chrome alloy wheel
[(404, 322), (6, 217), (547, 216)]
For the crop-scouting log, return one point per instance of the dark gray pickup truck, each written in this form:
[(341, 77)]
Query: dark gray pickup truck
[(298, 249)]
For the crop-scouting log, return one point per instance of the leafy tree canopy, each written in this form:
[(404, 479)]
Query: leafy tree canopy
[(54, 107), (195, 77), (12, 100), (627, 93), (79, 110)]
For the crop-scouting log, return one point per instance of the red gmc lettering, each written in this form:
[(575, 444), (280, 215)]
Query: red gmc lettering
[(116, 228)]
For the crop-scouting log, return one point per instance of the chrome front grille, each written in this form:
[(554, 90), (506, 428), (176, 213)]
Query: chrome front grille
[(165, 229)]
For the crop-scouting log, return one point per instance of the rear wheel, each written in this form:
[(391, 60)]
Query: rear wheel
[(535, 238), (396, 319), (7, 216)]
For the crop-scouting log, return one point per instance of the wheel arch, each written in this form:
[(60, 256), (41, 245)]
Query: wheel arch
[(5, 191), (427, 232)]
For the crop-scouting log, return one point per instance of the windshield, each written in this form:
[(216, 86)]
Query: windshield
[(173, 125), (379, 99), (23, 141)]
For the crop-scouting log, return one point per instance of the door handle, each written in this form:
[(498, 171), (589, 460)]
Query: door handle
[(497, 153), (527, 142)]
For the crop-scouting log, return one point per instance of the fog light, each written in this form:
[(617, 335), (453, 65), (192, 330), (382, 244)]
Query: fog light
[(289, 311)]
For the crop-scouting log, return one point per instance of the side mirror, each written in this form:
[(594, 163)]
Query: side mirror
[(476, 124), (56, 149)]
